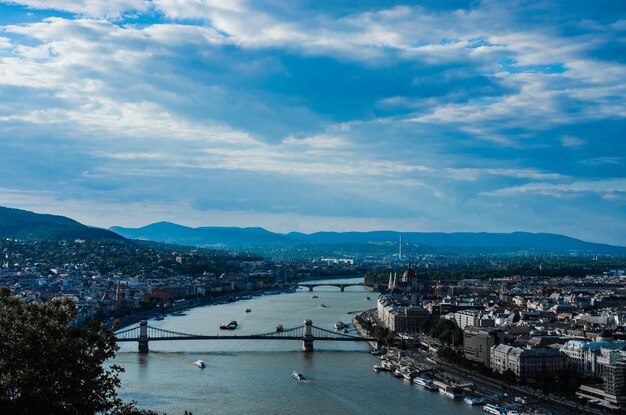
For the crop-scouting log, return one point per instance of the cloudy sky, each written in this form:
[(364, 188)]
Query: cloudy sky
[(318, 115)]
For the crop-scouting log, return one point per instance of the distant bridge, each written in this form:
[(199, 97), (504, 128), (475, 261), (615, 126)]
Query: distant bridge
[(341, 286), (307, 333)]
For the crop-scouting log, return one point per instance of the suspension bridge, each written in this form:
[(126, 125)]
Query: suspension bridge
[(307, 333)]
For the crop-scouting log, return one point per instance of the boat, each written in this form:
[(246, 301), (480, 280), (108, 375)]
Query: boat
[(199, 363), (367, 298), (378, 368), (431, 387), (451, 392), (298, 376), (409, 375), (248, 310), (279, 328), (314, 296), (159, 318), (492, 409), (322, 305), (178, 314), (377, 352), (340, 325), (230, 326)]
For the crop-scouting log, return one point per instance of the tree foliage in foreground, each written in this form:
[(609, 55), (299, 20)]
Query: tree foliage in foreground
[(50, 366)]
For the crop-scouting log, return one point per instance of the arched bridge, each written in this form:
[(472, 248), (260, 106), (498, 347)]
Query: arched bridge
[(340, 285), (307, 333)]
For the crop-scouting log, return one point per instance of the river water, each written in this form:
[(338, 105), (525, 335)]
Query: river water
[(254, 377)]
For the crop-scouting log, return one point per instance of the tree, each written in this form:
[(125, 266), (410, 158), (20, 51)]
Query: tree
[(48, 365)]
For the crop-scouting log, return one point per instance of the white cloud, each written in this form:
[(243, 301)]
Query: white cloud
[(571, 141), (609, 189), (89, 8)]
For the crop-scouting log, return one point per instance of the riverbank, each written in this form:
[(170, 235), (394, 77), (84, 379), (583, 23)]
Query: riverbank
[(474, 384)]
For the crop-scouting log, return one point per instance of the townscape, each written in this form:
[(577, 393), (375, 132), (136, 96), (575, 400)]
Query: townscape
[(513, 343)]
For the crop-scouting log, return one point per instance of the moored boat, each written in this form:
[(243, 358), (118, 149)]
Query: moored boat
[(452, 392)]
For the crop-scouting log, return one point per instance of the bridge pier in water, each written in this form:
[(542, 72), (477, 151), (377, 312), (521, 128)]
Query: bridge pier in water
[(342, 288), (143, 337), (310, 288), (307, 339)]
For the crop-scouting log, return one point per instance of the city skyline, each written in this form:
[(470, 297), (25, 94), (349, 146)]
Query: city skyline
[(468, 116)]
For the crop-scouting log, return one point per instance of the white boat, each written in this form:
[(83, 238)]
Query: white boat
[(378, 368), (199, 363), (340, 325), (492, 409), (298, 376), (322, 305)]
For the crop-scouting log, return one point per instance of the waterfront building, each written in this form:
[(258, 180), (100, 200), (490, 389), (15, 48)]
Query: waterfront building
[(612, 392), (478, 341), (396, 314), (590, 358), (526, 363)]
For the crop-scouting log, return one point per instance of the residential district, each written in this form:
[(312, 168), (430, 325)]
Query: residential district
[(558, 339)]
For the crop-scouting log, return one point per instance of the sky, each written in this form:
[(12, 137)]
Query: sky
[(438, 115)]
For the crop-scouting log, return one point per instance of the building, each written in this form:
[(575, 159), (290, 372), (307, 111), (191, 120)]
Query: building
[(526, 363), (468, 318), (478, 341), (612, 392), (590, 358), (395, 314)]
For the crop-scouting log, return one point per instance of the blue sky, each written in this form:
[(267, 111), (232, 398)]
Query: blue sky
[(412, 116)]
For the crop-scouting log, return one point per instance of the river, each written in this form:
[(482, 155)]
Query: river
[(254, 377)]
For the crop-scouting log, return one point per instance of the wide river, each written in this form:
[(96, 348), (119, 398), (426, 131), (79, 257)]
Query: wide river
[(254, 377)]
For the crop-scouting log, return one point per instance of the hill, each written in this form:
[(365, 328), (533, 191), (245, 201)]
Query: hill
[(22, 224), (456, 241)]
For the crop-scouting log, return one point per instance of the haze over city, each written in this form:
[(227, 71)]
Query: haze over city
[(305, 116)]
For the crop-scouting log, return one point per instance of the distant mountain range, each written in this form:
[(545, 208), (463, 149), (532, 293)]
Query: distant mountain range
[(233, 237), (22, 224)]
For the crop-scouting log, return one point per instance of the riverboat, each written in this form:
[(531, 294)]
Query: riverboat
[(314, 296), (340, 325), (199, 363), (230, 326), (452, 392), (248, 310), (492, 409), (378, 368), (322, 305), (159, 318), (298, 376)]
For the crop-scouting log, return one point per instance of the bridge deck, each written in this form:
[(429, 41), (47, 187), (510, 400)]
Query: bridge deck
[(244, 337)]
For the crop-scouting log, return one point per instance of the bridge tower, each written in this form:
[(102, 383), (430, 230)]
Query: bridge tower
[(343, 287), (307, 340), (143, 336)]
